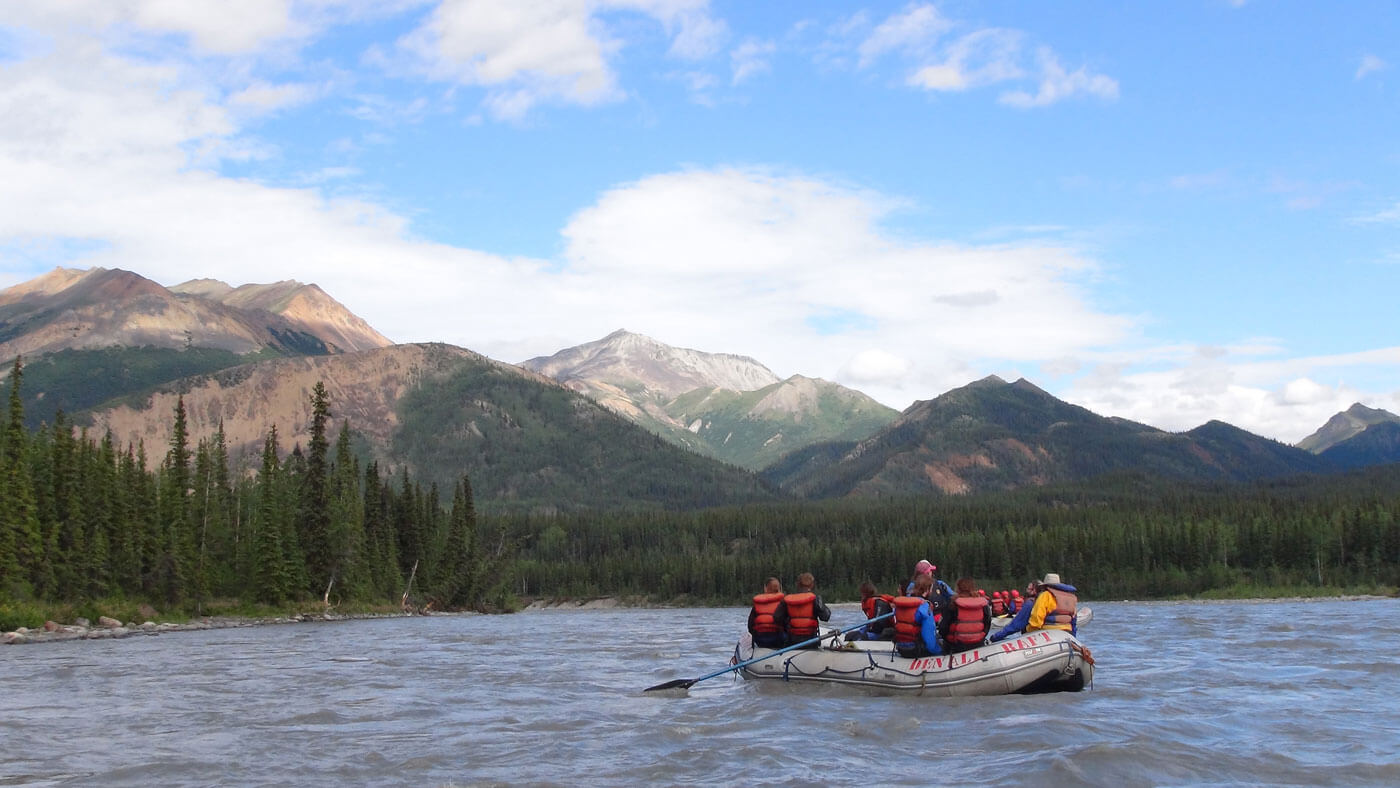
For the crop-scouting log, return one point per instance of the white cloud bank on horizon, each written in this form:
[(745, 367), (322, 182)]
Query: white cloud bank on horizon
[(108, 161)]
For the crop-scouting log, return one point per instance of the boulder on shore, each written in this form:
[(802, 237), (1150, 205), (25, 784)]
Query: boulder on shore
[(108, 622)]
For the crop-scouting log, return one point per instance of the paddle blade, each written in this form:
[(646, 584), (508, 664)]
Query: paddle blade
[(672, 684)]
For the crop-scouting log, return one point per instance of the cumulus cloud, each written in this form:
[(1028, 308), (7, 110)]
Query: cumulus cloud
[(211, 26), (761, 258), (263, 97), (548, 50), (1263, 392)]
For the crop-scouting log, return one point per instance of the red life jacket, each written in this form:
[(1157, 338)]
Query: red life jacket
[(998, 606), (870, 605), (968, 626), (906, 629), (765, 606), (1062, 617), (802, 618)]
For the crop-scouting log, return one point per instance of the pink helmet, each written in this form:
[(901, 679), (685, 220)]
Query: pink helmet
[(924, 568)]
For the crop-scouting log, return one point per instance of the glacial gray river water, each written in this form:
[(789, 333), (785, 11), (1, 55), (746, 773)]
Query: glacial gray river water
[(1276, 693)]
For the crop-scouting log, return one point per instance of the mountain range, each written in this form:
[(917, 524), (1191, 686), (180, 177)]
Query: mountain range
[(724, 406), (625, 420)]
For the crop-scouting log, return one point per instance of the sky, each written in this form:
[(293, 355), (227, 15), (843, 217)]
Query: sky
[(1166, 212)]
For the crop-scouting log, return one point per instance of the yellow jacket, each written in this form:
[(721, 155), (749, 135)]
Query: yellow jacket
[(1045, 604)]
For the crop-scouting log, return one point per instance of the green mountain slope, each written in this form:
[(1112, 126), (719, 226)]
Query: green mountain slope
[(1378, 444), (993, 435), (530, 444), (78, 380)]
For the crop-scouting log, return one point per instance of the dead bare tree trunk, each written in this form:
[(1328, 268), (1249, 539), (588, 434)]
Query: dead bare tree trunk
[(404, 602)]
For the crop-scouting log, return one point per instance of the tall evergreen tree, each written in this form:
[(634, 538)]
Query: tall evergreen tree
[(23, 565), (314, 510), (177, 570), (347, 520), (270, 580)]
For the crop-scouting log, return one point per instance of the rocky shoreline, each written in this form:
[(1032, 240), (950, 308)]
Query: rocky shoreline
[(110, 629)]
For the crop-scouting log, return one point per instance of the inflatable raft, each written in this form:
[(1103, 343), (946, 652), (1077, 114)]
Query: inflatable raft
[(1044, 661)]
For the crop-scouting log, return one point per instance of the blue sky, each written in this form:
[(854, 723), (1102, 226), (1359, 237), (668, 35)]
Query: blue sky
[(1170, 212)]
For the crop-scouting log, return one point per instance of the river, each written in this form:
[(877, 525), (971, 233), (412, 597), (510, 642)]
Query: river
[(1275, 693)]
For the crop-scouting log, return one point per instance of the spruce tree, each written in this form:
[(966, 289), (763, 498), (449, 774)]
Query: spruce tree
[(269, 575), (313, 512), (176, 563), (23, 566)]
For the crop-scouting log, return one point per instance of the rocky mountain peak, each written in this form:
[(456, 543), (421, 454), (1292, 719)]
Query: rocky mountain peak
[(99, 307), (634, 361), (1345, 425)]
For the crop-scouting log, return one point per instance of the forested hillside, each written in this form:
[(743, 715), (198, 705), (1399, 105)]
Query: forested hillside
[(1125, 536), (81, 518), (529, 444), (73, 381)]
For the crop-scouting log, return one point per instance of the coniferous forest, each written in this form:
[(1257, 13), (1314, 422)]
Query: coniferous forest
[(83, 519), (1123, 537)]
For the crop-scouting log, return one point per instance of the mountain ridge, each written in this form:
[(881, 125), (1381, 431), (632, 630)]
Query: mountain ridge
[(99, 307), (992, 435), (722, 405)]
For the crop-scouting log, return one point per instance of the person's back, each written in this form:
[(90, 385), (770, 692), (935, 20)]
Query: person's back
[(1049, 604), (805, 611), (767, 617), (966, 624), (1056, 606), (915, 630), (873, 605)]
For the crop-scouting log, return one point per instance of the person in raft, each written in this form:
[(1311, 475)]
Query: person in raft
[(915, 630), (1013, 602), (768, 618), (943, 593), (1054, 607), (966, 624), (805, 611), (872, 604)]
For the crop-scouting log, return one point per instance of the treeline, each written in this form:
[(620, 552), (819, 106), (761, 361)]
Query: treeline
[(84, 519), (1123, 537)]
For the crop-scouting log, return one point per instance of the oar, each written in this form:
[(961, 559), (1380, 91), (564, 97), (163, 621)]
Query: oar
[(687, 683)]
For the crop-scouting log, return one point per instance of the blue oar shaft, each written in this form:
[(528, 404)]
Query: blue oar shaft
[(808, 642)]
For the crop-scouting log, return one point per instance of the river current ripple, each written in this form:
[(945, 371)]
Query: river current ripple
[(1263, 693)]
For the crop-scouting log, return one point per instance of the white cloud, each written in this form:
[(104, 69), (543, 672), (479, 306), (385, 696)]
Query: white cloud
[(1278, 398), (912, 31), (211, 26), (753, 259), (1370, 64), (1057, 84), (984, 57), (1389, 215), (945, 60), (263, 97), (750, 59), (548, 50)]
